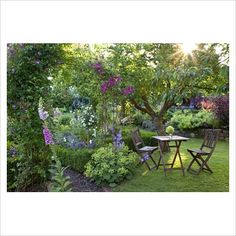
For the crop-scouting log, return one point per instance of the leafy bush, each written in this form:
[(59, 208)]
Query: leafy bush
[(64, 119), (28, 69), (24, 171), (185, 120), (137, 118), (75, 158), (221, 109), (12, 172), (111, 166), (60, 183)]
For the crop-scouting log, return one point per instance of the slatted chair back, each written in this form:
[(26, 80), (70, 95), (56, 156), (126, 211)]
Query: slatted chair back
[(137, 140), (210, 140)]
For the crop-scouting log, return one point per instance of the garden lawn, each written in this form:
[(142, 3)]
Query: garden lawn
[(155, 181)]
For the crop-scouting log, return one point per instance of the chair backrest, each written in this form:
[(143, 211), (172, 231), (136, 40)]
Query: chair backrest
[(210, 140), (137, 140)]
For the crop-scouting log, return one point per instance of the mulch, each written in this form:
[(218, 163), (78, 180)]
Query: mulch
[(81, 183)]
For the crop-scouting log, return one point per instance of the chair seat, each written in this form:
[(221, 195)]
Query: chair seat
[(148, 148), (198, 151)]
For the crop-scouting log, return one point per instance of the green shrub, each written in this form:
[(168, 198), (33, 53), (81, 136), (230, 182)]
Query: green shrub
[(60, 182), (75, 158), (111, 166), (187, 120), (25, 171), (12, 172), (64, 119)]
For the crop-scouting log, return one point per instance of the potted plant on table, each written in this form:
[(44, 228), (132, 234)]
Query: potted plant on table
[(170, 130)]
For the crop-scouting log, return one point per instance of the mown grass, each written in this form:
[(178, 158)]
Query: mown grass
[(155, 181)]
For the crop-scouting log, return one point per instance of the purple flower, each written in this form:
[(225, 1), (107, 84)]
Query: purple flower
[(98, 67), (145, 157), (48, 136), (117, 140), (43, 114), (128, 90), (113, 81), (104, 87)]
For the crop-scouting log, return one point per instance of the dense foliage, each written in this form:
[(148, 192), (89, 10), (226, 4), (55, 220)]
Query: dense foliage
[(28, 71), (188, 120), (75, 158), (60, 183), (111, 167), (154, 77), (221, 110)]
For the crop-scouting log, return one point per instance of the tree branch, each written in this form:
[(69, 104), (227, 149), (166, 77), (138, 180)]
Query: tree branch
[(165, 107), (147, 106), (137, 106)]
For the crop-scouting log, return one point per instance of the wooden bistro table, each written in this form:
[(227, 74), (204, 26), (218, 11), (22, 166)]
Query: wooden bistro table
[(177, 142)]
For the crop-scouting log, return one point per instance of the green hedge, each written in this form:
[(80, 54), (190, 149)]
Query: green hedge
[(75, 158), (78, 158)]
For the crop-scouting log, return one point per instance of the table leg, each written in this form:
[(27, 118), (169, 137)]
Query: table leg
[(178, 153), (162, 159)]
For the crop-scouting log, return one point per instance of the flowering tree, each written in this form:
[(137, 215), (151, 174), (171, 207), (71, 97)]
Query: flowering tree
[(152, 77), (158, 76)]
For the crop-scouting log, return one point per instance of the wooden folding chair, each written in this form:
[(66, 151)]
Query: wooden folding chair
[(145, 152), (201, 156)]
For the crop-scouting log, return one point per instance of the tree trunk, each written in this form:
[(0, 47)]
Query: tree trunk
[(158, 121)]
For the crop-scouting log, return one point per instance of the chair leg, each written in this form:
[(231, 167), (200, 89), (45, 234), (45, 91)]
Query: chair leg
[(153, 160), (193, 160), (204, 165), (208, 168), (149, 168)]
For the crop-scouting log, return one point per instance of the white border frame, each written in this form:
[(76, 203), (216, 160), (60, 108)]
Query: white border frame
[(117, 213)]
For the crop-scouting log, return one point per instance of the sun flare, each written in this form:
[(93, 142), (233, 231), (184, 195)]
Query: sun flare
[(187, 47)]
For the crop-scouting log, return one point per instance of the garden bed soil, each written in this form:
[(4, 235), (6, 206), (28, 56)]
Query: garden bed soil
[(37, 188), (81, 183)]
